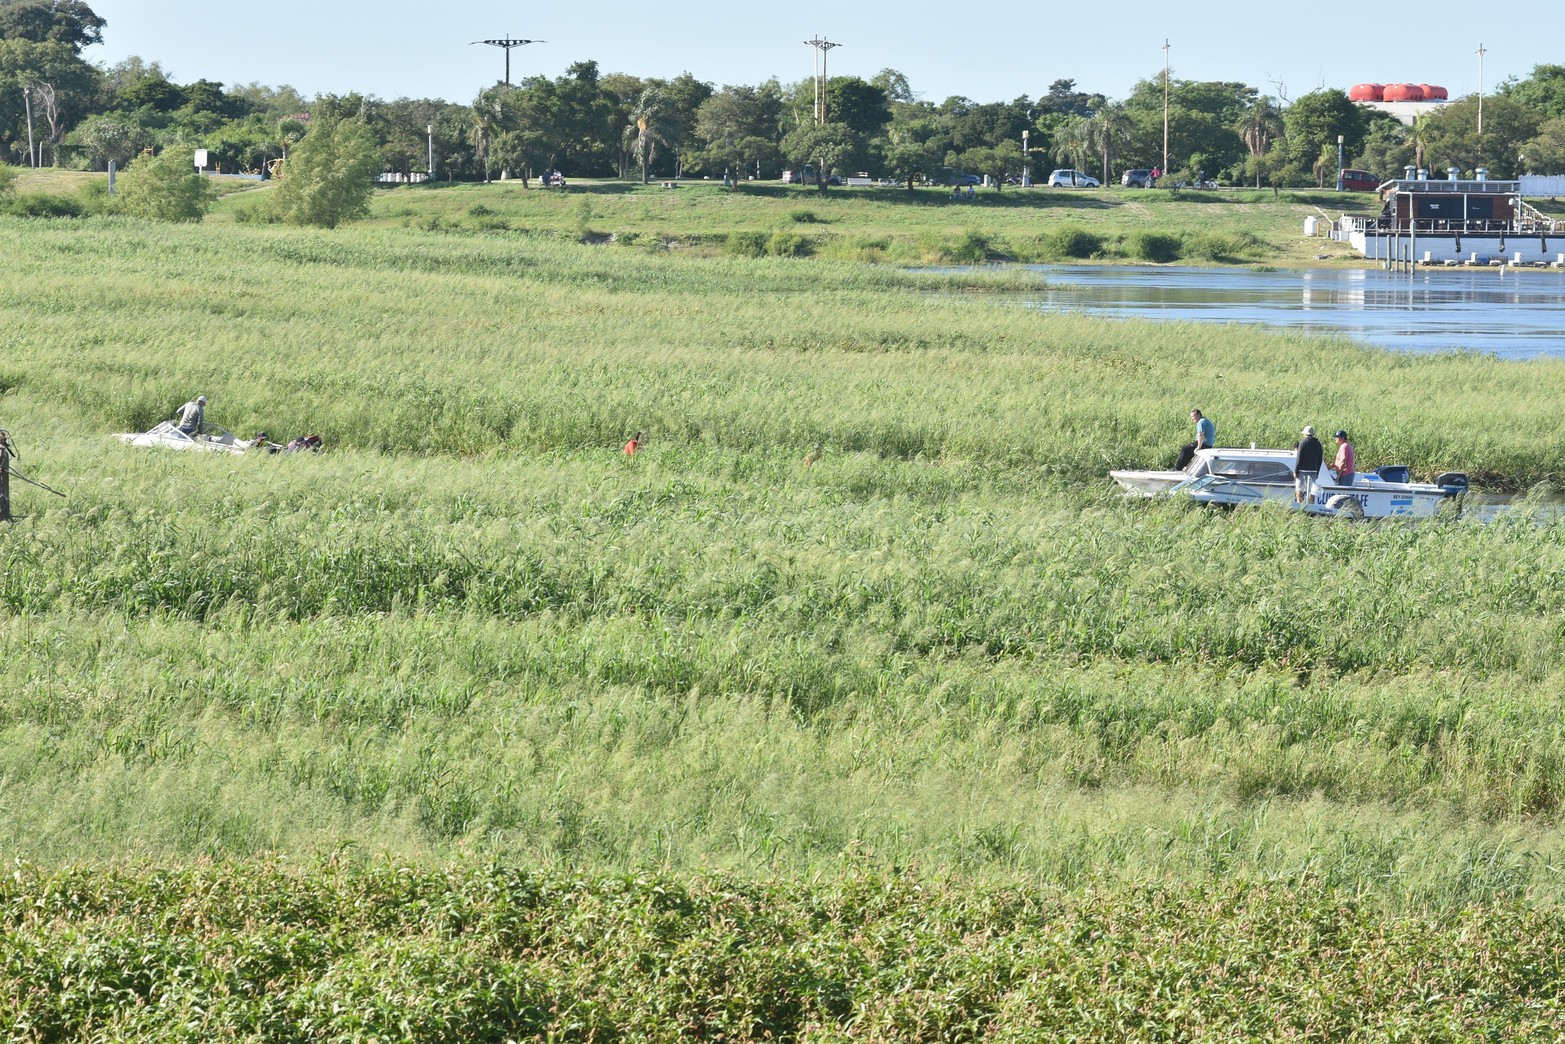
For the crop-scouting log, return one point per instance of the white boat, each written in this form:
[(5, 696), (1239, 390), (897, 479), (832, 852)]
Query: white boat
[(1231, 476), (168, 435)]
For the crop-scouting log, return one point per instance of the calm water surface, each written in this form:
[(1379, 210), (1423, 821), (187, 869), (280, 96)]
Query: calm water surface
[(1517, 315)]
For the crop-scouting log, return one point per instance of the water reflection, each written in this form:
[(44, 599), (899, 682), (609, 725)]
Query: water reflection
[(1513, 314)]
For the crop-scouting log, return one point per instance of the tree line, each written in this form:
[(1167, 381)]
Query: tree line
[(58, 109)]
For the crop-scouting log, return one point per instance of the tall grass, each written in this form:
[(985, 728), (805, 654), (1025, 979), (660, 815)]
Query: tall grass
[(475, 630)]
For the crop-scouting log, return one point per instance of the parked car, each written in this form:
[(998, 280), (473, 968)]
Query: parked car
[(1359, 181), (1139, 178), (1072, 179)]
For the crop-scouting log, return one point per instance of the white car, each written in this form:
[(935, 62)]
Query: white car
[(1072, 179), (168, 435)]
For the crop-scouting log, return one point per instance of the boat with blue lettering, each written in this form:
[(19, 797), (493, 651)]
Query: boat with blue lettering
[(1231, 476)]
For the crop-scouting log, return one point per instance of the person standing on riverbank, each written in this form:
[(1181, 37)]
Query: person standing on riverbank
[(1342, 467), (1306, 466)]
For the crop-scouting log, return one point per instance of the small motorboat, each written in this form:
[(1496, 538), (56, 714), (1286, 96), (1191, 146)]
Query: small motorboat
[(1231, 476), (168, 435)]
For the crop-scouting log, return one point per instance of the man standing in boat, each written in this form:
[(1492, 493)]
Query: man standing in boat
[(192, 416), (1306, 467), (1205, 438), (1342, 468)]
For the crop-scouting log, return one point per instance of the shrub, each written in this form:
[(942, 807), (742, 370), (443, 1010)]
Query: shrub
[(971, 247), (1071, 241), (1153, 246), (746, 244), (1219, 246), (166, 187), (787, 244), (43, 205), (804, 217)]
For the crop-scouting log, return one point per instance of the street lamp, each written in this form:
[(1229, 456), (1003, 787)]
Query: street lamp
[(1339, 163), (431, 130), (1026, 178), (821, 45), (507, 43)]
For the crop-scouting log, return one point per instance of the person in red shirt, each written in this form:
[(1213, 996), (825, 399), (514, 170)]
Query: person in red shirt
[(633, 445), (1342, 467)]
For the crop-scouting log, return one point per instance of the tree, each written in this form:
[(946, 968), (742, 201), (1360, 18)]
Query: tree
[(166, 187), (1451, 138), (1543, 92), (1313, 123), (330, 175), (826, 145), (1257, 129), (644, 133), (68, 22), (1546, 151), (859, 106), (739, 126), (110, 137)]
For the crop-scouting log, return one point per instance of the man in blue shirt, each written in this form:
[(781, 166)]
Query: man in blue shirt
[(1205, 438)]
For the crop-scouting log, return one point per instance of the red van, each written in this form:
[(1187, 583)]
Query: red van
[(1359, 181)]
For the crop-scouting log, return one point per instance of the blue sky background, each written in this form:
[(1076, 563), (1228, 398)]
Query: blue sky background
[(988, 52)]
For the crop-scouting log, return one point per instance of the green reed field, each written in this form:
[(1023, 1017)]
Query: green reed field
[(472, 727)]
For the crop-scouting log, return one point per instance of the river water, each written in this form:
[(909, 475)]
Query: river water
[(1511, 314)]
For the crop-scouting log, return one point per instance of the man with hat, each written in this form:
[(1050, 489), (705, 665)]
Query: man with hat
[(1342, 467), (1306, 467), (192, 416)]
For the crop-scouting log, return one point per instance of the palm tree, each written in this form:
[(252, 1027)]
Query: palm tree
[(489, 121), (1108, 129), (1074, 140), (1258, 128), (644, 133)]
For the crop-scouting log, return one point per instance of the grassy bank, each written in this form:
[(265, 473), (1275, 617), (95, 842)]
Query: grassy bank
[(940, 676)]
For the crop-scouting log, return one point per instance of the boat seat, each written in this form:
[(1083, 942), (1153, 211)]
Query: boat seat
[(1393, 473)]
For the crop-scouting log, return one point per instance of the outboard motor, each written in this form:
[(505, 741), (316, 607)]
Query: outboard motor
[(1453, 482)]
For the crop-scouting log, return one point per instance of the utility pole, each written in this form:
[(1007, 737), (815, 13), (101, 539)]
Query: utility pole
[(507, 43), (1165, 108), (431, 129), (821, 45), (1480, 94)]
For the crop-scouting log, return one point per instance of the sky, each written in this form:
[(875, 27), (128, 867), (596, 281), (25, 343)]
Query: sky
[(985, 51)]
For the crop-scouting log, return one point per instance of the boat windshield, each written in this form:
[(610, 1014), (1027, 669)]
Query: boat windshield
[(1254, 470)]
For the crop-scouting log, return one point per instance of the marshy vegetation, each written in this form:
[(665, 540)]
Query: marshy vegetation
[(877, 748)]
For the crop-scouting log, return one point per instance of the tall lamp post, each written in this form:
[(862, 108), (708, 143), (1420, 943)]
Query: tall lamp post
[(507, 43), (1480, 95), (1026, 177), (431, 129), (821, 45), (1165, 106), (1339, 163)]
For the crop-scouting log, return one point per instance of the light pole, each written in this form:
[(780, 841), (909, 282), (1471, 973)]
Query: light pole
[(507, 43), (1026, 178), (1165, 106), (1480, 95), (1339, 163), (821, 45), (431, 129)]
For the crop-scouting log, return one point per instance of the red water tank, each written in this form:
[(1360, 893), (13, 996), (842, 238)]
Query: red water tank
[(1366, 92), (1432, 92), (1402, 92)]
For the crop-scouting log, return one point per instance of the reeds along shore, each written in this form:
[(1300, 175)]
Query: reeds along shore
[(476, 631)]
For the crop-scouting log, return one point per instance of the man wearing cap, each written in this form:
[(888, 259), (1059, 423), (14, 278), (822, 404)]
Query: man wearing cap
[(1306, 467), (192, 416), (1342, 468)]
